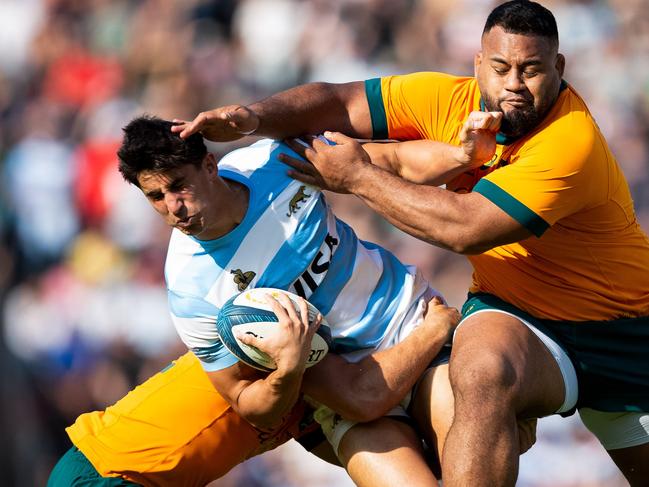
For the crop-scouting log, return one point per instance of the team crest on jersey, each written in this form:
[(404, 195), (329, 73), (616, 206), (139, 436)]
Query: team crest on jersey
[(243, 279), (493, 161), (497, 160), (297, 198)]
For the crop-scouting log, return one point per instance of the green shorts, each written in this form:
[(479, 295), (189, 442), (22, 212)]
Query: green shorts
[(74, 470), (611, 358)]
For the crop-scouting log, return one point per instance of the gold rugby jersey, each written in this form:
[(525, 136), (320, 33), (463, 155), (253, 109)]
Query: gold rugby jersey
[(174, 429), (588, 258)]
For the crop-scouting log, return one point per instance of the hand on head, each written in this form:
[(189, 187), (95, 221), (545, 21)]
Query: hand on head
[(222, 124)]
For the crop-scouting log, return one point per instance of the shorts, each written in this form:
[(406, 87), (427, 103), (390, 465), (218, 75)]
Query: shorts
[(611, 362), (334, 426), (74, 469), (617, 430)]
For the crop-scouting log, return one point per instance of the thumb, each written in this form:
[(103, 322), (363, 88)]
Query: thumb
[(317, 321), (439, 300), (337, 137), (248, 339)]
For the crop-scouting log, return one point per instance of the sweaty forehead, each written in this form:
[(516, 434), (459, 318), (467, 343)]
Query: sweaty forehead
[(517, 48)]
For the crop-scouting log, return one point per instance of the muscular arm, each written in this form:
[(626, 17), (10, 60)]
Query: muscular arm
[(306, 109), (432, 162), (359, 391), (314, 108), (262, 401), (366, 390), (420, 161), (464, 223)]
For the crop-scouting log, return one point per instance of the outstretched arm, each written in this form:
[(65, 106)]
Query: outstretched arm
[(464, 223), (368, 389), (306, 109)]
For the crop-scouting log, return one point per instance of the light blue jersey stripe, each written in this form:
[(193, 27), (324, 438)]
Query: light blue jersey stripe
[(184, 306), (298, 251), (340, 270), (382, 305)]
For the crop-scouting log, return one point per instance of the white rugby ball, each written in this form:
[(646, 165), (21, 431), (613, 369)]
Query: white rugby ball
[(249, 312)]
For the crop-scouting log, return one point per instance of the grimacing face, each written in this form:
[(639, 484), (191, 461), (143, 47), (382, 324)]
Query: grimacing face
[(518, 75), (185, 196)]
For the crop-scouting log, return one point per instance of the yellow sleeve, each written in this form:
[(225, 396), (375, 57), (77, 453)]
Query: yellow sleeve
[(556, 173), (422, 105)]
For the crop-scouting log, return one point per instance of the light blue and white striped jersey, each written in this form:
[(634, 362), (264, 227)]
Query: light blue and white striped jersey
[(288, 239)]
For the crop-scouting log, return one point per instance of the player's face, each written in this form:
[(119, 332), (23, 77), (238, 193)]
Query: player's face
[(188, 198), (520, 76)]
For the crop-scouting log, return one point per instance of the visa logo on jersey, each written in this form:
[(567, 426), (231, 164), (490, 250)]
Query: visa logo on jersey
[(306, 284)]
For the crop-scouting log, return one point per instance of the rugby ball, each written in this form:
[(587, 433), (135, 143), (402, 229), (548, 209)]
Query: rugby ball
[(249, 312)]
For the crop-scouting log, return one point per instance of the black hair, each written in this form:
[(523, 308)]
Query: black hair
[(523, 17), (150, 145)]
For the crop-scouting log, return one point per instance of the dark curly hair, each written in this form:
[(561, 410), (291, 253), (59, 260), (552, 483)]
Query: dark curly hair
[(523, 17), (149, 144)]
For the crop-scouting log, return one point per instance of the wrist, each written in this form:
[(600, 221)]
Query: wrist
[(256, 122), (287, 372), (460, 156), (359, 176)]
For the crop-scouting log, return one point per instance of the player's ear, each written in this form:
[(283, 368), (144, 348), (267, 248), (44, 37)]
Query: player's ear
[(477, 60), (560, 64), (210, 165)]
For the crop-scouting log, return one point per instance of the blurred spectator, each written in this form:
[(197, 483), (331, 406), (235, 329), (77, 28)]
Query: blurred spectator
[(84, 314)]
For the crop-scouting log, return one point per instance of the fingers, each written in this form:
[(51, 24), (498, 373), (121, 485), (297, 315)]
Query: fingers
[(224, 123), (304, 311), (248, 339), (337, 137), (285, 310), (484, 121), (301, 146), (289, 307), (302, 171), (278, 309), (317, 321), (190, 128), (178, 125)]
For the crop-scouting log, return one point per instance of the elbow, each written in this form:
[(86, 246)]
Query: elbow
[(469, 248), (468, 243)]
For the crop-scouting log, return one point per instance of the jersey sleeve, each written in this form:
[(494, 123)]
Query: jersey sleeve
[(419, 105), (553, 177), (195, 322)]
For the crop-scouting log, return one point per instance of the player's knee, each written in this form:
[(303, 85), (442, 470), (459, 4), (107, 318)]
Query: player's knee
[(483, 377)]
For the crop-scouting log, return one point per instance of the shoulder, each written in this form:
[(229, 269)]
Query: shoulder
[(569, 135), (424, 82), (258, 165), (246, 160)]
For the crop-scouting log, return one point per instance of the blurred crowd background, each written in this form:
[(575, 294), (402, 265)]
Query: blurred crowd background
[(84, 313)]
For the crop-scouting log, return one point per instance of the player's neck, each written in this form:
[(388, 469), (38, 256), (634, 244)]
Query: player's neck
[(231, 206), (240, 200)]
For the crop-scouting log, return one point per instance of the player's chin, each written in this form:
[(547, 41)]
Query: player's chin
[(518, 122), (188, 229)]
